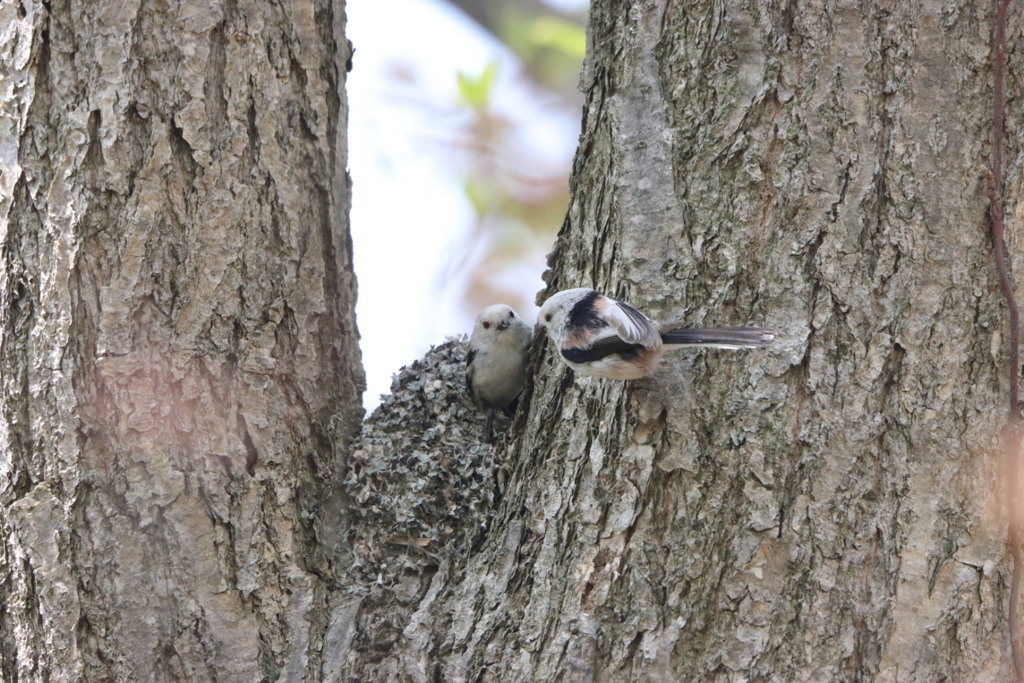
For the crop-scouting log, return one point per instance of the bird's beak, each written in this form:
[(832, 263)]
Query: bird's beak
[(503, 325)]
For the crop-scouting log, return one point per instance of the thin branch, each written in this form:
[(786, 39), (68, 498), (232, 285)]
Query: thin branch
[(1012, 432)]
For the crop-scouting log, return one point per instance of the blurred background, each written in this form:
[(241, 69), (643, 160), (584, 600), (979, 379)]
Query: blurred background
[(464, 116)]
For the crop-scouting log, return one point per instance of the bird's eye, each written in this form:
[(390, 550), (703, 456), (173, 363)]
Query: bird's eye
[(511, 314), (547, 318), (486, 325)]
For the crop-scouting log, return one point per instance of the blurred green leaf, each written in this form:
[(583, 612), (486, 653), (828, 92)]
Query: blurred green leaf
[(477, 196), (475, 91), (561, 35)]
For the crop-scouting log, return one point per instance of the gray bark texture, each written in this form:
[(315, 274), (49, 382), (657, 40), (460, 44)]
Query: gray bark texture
[(179, 363), (830, 509)]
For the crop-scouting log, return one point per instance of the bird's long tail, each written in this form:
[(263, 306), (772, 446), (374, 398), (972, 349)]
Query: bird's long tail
[(718, 337)]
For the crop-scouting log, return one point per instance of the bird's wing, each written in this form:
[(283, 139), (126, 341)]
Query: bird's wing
[(602, 348), (470, 370), (631, 325)]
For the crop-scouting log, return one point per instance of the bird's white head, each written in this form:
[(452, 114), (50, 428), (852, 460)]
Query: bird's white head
[(555, 312), (495, 319)]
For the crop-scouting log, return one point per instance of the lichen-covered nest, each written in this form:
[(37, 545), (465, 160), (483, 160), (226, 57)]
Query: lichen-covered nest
[(422, 480)]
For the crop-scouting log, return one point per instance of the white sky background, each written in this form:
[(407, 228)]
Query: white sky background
[(409, 215)]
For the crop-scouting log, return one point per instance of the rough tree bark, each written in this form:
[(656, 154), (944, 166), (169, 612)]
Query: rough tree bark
[(830, 509), (178, 341), (179, 377)]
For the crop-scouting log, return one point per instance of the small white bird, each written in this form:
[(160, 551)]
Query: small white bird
[(599, 336), (496, 363)]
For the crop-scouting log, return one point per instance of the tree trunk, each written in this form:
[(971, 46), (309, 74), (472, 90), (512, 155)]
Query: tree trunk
[(828, 509), (179, 347)]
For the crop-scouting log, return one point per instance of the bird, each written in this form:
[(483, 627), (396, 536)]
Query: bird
[(598, 336), (496, 362)]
